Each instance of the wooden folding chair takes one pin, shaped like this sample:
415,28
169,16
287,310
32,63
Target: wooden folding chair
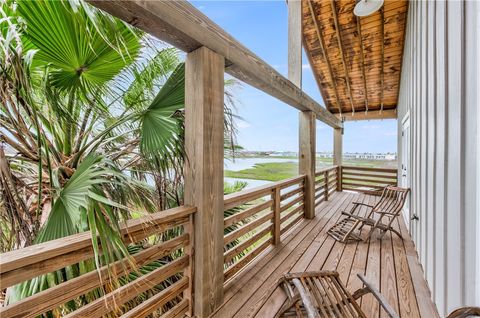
322,294
387,208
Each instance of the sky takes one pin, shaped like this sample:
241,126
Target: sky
269,124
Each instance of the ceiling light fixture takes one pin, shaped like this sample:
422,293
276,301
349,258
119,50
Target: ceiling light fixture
365,8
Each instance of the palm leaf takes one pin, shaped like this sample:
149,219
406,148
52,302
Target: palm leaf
70,43
160,130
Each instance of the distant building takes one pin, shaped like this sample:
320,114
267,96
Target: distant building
361,156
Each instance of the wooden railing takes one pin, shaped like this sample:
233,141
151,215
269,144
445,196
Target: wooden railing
367,180
257,218
326,182
172,272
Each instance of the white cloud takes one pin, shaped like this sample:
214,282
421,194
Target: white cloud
243,124
306,66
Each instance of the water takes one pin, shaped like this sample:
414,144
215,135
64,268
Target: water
246,163
250,182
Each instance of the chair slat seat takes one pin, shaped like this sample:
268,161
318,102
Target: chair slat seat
388,207
317,295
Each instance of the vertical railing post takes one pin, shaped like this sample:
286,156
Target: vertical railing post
276,215
204,94
339,178
307,160
307,119
326,185
189,271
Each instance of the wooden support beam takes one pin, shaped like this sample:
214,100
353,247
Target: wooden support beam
337,146
382,70
307,132
340,46
182,25
362,55
371,115
324,53
295,42
204,93
307,121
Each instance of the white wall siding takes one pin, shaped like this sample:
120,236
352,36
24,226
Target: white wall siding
440,92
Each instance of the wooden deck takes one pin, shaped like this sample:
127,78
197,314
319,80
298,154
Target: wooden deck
390,264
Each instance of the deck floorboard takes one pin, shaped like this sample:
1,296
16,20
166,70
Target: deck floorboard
386,263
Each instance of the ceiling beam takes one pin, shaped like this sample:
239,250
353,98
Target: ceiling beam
325,54
185,27
360,40
340,46
371,115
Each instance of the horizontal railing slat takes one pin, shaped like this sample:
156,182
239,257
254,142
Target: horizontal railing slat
291,203
232,270
177,310
237,217
121,295
239,198
234,251
257,226
158,300
391,170
62,293
291,193
289,214
44,251
246,228
291,224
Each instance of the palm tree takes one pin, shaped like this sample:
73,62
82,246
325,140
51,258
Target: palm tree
92,128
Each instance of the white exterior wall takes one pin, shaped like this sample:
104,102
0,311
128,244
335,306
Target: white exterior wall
439,91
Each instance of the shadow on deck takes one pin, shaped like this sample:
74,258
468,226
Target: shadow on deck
390,264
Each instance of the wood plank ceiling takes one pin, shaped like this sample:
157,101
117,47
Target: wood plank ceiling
356,61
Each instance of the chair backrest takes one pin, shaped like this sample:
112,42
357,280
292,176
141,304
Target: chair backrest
392,200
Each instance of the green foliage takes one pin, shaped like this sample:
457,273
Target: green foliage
271,171
82,51
91,132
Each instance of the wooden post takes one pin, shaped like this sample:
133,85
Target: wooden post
338,154
339,178
307,160
326,185
189,271
295,42
276,215
307,131
204,90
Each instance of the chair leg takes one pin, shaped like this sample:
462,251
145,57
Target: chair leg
390,228
372,229
363,224
288,305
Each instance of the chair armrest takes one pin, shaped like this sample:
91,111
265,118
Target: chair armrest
381,299
465,312
360,203
353,216
386,213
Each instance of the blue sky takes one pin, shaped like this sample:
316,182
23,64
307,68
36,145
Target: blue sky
268,123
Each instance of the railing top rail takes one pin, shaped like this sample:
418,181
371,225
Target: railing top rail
370,169
237,198
40,252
